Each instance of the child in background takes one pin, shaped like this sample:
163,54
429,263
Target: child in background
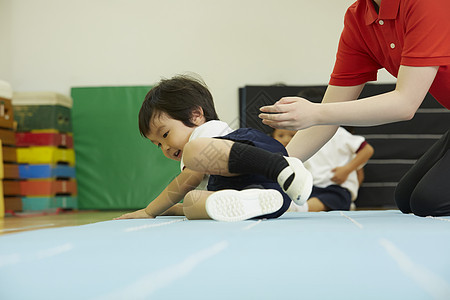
179,117
336,168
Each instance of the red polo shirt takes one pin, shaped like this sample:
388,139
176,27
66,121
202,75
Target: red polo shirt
405,32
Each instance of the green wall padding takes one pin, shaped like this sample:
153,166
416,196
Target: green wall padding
116,168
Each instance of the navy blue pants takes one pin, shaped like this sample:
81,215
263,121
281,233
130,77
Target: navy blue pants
335,197
258,139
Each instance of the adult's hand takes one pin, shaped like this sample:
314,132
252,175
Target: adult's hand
293,113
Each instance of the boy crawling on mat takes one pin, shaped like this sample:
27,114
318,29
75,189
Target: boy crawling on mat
250,173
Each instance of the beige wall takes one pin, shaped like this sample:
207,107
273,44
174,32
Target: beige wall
53,45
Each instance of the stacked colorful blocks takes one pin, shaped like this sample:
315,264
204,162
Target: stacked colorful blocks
9,175
45,151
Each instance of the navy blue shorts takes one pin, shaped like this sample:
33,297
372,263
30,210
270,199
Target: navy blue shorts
258,139
334,197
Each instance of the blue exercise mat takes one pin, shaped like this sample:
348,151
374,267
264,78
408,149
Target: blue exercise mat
334,255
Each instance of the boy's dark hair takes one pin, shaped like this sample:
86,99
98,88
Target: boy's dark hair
178,97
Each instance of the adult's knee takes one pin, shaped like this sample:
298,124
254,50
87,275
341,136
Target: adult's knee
422,205
430,200
402,197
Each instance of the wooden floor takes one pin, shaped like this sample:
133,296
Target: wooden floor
14,224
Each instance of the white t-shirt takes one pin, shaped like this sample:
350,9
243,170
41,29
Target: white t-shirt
337,152
209,129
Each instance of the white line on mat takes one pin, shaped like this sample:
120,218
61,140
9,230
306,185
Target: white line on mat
437,218
153,225
353,220
26,227
9,259
253,224
54,251
148,284
15,258
432,283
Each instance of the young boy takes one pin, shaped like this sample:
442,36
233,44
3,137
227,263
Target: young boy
250,175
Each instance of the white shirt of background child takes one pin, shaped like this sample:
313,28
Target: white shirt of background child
339,150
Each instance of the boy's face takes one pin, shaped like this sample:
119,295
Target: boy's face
284,136
170,135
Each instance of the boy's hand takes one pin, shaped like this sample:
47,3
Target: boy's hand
340,175
139,214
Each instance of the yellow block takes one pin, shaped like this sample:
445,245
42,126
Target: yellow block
50,131
45,155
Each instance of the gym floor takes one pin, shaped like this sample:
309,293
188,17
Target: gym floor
14,224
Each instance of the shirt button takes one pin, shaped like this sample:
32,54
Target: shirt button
381,22
392,45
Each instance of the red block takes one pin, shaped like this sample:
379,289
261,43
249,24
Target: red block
27,139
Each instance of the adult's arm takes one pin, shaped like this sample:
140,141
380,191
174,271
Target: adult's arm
308,141
297,113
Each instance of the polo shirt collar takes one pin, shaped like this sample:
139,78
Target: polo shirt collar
388,10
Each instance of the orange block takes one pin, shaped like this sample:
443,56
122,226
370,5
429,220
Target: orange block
48,187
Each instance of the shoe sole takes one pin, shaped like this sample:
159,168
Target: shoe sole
233,205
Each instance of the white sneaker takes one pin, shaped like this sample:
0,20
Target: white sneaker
233,205
301,187
297,208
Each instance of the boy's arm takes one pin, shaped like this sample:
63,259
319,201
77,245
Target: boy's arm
360,175
186,181
362,156
176,210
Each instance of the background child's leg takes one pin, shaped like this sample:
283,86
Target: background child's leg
194,205
314,204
